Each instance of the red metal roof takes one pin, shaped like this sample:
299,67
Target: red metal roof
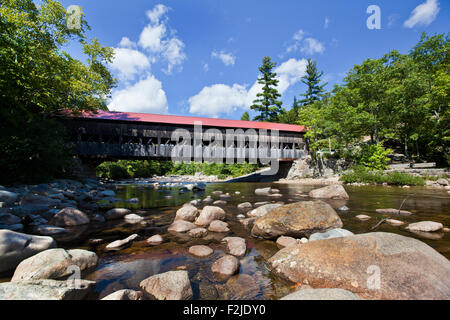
209,122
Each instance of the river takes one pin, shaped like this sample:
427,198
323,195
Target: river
125,269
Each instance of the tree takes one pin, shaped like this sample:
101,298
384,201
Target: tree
38,79
291,116
267,103
245,116
315,91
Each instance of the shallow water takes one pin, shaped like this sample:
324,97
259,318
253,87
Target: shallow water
125,269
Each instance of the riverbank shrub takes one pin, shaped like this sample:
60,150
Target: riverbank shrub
362,174
126,169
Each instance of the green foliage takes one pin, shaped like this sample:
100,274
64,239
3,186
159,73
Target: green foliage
315,90
125,169
267,103
401,98
361,174
375,156
39,79
245,116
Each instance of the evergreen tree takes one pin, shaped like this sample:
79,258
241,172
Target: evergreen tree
245,117
266,103
312,80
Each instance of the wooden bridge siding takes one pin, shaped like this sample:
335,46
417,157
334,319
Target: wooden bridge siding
99,133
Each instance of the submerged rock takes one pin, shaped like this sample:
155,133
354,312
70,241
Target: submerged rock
395,223
297,220
425,226
394,211
16,247
121,244
172,285
409,268
155,240
198,233
363,217
116,213
201,251
239,287
69,217
181,226
54,264
321,294
45,290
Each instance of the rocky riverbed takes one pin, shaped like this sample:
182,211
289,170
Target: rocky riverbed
172,239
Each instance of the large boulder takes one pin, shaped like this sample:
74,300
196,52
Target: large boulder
172,285
334,191
46,290
187,213
297,220
321,294
31,199
116,213
239,287
69,217
54,264
208,215
407,268
263,210
15,247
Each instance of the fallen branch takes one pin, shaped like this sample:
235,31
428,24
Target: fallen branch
378,224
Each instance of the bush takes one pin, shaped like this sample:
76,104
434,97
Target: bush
375,156
361,174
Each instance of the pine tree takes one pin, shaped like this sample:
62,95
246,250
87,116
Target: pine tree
266,102
245,117
312,80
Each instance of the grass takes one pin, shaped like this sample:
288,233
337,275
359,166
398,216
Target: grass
361,174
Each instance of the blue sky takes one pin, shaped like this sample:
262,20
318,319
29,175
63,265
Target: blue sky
201,57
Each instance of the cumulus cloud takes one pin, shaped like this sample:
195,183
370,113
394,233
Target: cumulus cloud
306,45
312,46
227,59
224,99
160,40
129,63
127,43
424,14
146,95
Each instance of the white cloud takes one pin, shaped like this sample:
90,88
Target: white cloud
127,43
312,46
146,96
205,67
309,45
218,99
299,35
129,63
157,13
424,14
326,23
159,40
228,59
224,99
